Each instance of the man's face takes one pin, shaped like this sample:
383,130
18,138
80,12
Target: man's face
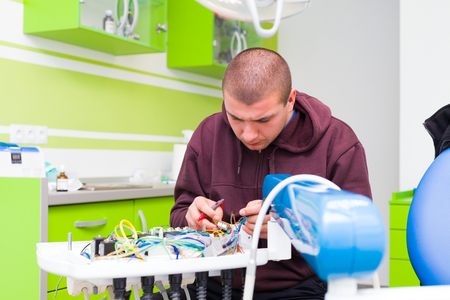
257,125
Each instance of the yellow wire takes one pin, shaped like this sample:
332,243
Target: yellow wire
127,242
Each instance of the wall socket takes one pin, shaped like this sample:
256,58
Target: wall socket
27,134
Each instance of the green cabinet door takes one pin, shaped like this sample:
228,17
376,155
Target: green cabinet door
81,23
20,202
401,272
84,221
203,43
156,211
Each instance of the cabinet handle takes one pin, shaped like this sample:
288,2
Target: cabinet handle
91,223
143,221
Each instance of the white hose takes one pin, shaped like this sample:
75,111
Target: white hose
237,38
136,15
244,42
251,267
123,19
264,33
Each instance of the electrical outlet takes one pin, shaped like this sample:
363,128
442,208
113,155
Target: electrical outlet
28,134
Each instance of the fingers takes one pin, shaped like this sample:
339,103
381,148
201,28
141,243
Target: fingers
197,208
252,208
263,233
251,211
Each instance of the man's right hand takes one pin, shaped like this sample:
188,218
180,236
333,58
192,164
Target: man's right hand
199,206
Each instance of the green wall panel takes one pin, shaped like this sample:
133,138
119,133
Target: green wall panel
57,98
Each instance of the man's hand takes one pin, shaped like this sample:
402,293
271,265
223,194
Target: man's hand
203,205
251,211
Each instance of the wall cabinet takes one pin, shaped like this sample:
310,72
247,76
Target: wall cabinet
401,272
80,22
203,43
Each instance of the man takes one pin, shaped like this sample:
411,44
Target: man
265,127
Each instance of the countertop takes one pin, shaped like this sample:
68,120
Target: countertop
87,196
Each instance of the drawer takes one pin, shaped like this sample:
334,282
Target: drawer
156,211
398,216
398,246
401,273
61,221
103,216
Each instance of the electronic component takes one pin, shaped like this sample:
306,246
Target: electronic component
106,246
224,226
216,248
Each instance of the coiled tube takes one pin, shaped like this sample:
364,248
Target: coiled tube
175,286
201,282
227,283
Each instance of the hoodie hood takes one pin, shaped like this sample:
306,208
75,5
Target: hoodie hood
313,117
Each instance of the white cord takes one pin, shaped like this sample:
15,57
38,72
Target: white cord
136,291
110,290
57,285
143,221
244,42
85,293
237,38
186,291
251,267
162,290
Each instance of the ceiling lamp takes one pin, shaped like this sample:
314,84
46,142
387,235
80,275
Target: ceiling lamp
257,11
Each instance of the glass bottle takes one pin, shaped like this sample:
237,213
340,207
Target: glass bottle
108,22
62,182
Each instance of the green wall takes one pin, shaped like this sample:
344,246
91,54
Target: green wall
57,98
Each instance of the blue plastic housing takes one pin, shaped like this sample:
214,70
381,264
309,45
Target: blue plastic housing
340,234
428,224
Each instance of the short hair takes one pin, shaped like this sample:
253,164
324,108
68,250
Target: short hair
255,74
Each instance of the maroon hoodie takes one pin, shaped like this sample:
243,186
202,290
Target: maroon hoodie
217,165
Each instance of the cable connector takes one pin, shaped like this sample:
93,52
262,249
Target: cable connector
216,248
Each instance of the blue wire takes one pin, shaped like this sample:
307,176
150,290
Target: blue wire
118,229
176,250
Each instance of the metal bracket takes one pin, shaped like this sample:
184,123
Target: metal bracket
162,27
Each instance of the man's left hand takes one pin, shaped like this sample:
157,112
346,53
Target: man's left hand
251,211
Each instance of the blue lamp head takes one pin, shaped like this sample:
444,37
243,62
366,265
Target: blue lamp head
340,234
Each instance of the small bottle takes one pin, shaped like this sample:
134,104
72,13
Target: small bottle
108,22
62,182
129,22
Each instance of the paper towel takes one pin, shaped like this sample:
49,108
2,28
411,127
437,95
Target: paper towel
178,155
